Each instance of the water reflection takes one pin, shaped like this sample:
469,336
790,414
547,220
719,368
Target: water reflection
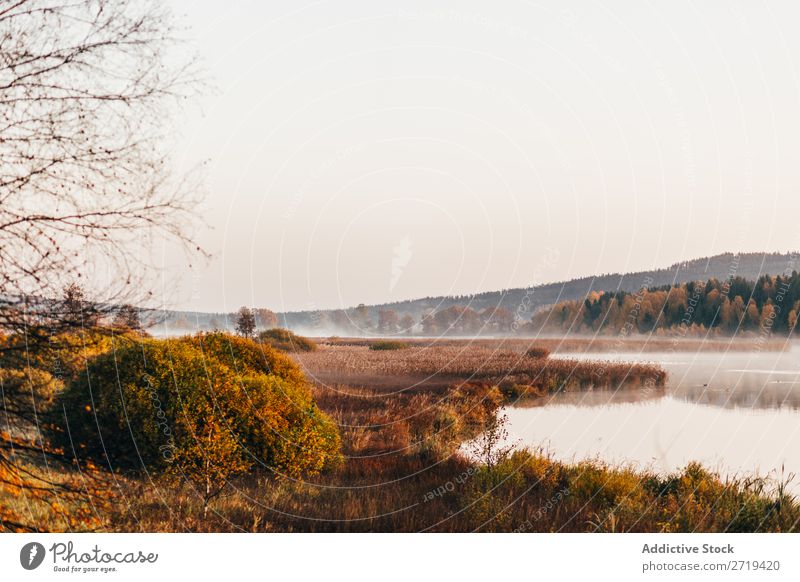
736,413
732,380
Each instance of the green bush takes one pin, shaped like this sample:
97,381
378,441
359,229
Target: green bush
286,341
389,345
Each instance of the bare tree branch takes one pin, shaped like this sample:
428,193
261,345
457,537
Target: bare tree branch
87,92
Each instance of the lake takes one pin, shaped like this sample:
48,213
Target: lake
737,413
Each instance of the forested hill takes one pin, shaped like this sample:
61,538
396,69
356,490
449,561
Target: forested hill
522,301
748,266
721,306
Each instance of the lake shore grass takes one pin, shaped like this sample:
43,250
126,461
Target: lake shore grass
578,344
406,464
405,470
517,373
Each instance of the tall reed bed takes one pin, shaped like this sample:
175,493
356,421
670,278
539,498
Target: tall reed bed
582,344
440,365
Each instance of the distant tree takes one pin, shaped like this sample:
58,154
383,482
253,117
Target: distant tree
265,318
245,322
752,317
677,302
321,321
73,300
768,315
407,324
458,319
341,321
76,308
127,317
497,319
429,323
361,318
388,321
725,316
181,322
737,313
791,320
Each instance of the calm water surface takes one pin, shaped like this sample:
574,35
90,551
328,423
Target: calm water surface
737,413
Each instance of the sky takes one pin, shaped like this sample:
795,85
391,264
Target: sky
373,151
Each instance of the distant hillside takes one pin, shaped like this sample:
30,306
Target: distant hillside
522,301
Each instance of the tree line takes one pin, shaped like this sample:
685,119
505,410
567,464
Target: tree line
727,306
771,303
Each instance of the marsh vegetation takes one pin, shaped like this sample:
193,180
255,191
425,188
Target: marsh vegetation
258,441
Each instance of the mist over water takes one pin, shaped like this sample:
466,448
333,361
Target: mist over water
737,413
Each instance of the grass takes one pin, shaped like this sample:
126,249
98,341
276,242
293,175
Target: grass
538,352
404,416
583,344
384,345
389,484
286,341
404,471
439,366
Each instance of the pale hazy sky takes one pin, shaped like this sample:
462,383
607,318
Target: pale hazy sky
361,151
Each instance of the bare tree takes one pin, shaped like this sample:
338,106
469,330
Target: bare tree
127,317
86,92
490,448
75,306
245,322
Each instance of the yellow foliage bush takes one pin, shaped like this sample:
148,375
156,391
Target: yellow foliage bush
207,408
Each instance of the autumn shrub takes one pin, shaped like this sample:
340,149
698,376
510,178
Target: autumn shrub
245,356
31,379
389,345
442,364
606,487
537,352
174,406
63,355
286,341
439,427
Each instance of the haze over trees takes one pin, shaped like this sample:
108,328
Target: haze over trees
522,303
265,318
722,302
127,317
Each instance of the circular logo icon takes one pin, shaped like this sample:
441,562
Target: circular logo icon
31,555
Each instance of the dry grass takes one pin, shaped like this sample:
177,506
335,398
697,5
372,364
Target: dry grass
439,366
572,344
403,471
397,448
